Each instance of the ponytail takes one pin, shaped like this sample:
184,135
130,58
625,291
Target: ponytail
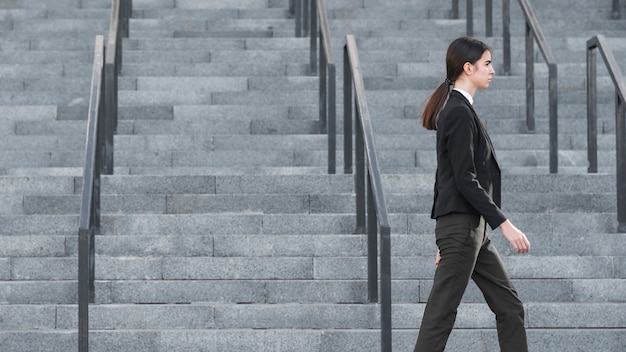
434,105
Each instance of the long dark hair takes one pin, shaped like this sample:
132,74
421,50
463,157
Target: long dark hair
460,51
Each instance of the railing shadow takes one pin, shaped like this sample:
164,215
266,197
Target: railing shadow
599,42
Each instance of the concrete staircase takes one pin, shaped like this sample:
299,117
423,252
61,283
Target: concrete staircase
222,230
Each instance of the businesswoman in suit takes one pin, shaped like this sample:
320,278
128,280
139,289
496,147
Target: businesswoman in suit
467,198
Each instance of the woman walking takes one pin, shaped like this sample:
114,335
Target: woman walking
467,198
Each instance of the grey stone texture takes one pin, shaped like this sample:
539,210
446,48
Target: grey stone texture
221,229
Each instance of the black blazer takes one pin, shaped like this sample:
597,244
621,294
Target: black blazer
468,176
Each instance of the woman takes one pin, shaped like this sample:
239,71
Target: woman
467,197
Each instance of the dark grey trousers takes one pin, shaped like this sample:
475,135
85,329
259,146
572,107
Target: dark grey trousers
467,252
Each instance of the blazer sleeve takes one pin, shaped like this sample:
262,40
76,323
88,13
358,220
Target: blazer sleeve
462,143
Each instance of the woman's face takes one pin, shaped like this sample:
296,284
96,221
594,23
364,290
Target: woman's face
482,71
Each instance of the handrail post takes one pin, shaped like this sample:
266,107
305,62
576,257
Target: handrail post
109,119
323,96
506,37
620,145
489,18
454,13
313,34
599,42
359,162
533,31
372,244
554,123
298,14
332,119
327,78
385,290
470,18
347,114
592,112
306,19
530,80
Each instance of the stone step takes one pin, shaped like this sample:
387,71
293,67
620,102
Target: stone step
209,14
288,194
34,5
216,69
258,223
215,44
289,316
43,70
310,340
285,203
592,244
590,275
183,25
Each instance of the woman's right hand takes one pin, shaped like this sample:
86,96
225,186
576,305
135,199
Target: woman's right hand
516,237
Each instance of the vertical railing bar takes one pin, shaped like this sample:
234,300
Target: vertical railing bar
592,112
347,113
327,78
332,119
470,18
533,32
313,34
615,12
323,87
385,290
307,16
530,80
454,13
620,145
83,289
506,37
554,128
489,18
298,10
359,155
372,244
109,116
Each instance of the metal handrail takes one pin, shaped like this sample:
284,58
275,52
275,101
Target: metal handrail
89,222
301,10
121,10
365,151
599,42
311,10
534,33
101,125
454,13
327,78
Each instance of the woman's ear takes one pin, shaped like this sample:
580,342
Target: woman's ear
468,68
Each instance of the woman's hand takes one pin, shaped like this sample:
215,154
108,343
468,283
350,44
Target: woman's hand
516,237
438,259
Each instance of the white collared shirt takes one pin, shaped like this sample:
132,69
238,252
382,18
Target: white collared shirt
466,95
